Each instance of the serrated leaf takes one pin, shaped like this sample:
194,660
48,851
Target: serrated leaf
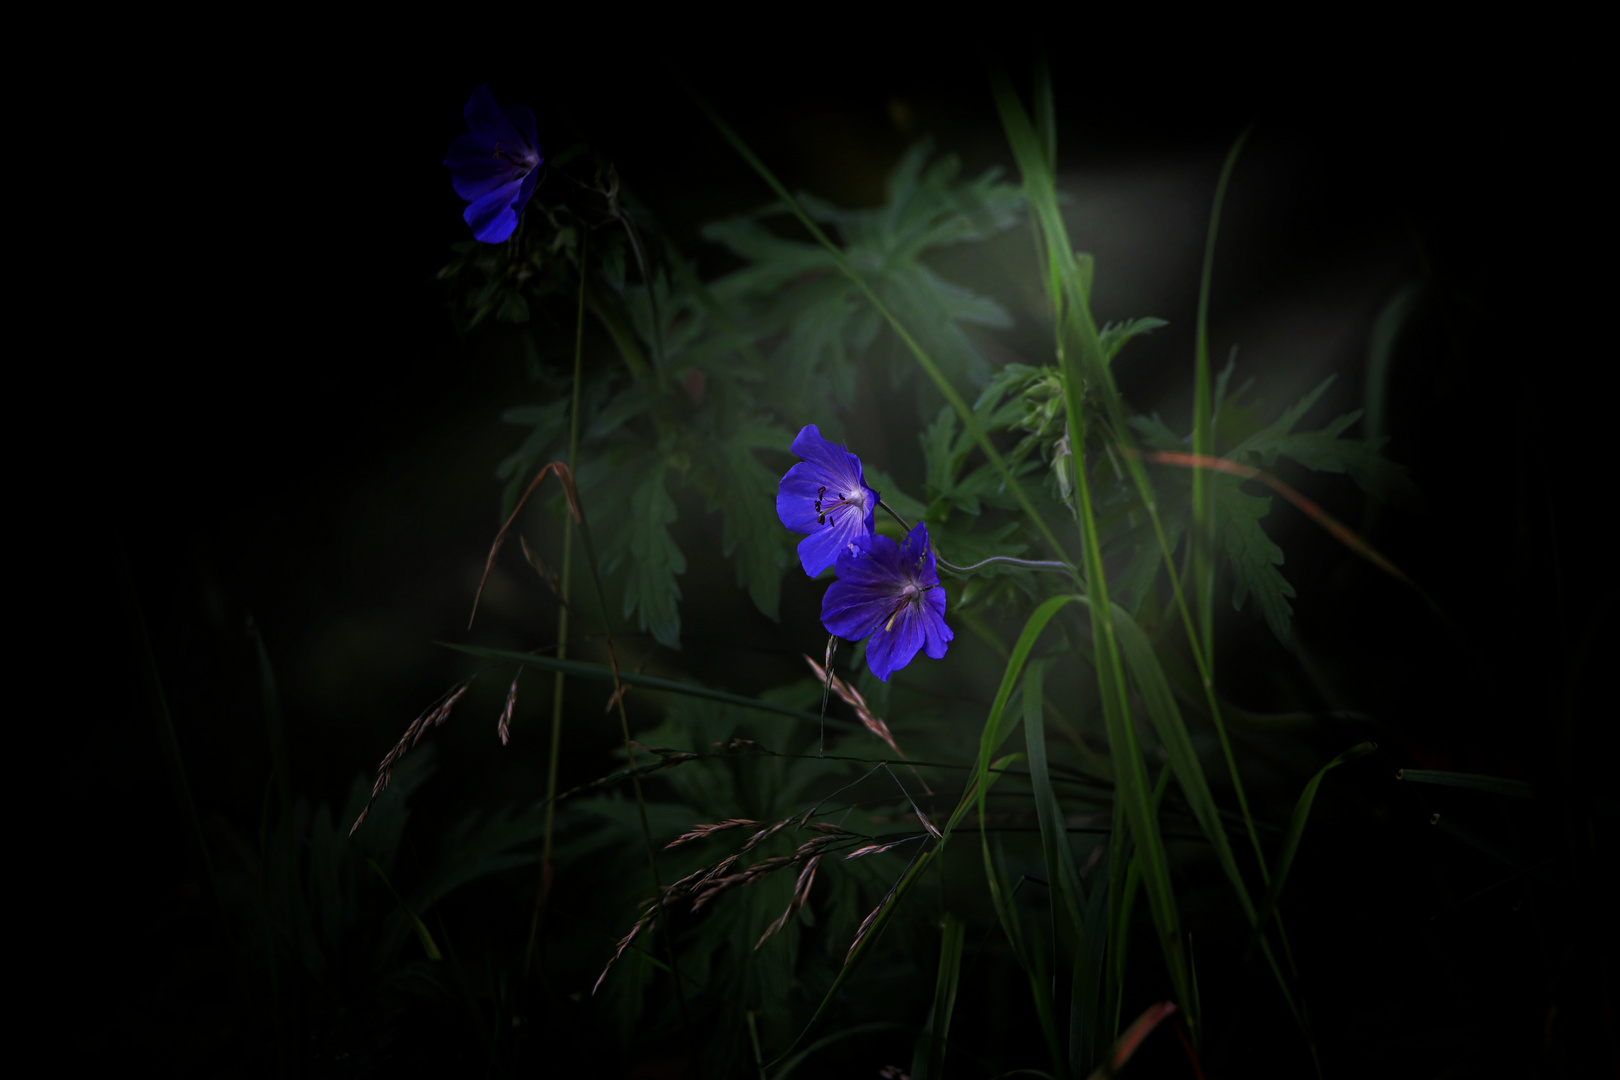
1114,336
1324,451
1253,555
548,422
937,440
1157,434
793,288
753,537
1283,424
639,540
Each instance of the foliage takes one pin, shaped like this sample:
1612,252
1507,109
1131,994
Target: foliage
765,880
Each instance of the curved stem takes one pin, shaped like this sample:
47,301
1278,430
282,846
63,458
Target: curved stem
1027,564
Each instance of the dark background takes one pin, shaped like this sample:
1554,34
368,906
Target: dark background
302,440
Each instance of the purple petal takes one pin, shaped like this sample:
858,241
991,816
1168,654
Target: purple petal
796,497
917,554
873,562
895,642
484,116
822,548
838,463
522,121
523,200
475,170
491,217
854,611
933,620
831,475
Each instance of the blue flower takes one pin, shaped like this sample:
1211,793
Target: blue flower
495,165
826,496
892,592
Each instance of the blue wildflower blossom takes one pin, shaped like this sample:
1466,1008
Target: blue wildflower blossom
826,496
494,166
892,592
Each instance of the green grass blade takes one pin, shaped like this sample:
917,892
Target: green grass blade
996,726
1027,948
1386,332
1203,492
1165,715
1130,775
1092,987
1061,871
423,935
1296,829
1041,194
952,935
1494,784
840,1035
1131,881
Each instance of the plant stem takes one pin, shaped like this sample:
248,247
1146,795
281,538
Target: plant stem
544,889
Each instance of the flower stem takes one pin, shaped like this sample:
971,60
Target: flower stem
1027,564
544,889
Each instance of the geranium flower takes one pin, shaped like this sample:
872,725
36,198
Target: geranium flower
494,166
892,592
826,496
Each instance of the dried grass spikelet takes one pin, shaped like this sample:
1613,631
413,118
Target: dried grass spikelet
874,849
701,831
705,884
866,925
828,827
852,697
624,943
929,825
413,735
801,893
547,574
766,833
567,479
504,726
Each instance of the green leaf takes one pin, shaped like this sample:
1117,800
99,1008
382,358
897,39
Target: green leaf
1061,872
1325,451
790,285
548,422
937,440
1296,829
853,269
1253,556
1157,434
938,1029
641,542
1283,424
890,492
753,537
1168,724
1495,784
1114,336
